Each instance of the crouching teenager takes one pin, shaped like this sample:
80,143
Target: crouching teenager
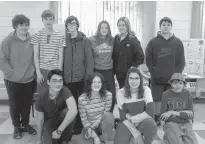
56,111
177,112
94,106
136,110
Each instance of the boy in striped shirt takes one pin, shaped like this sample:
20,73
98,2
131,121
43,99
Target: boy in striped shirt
48,47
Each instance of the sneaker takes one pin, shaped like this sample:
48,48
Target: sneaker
29,129
157,120
17,133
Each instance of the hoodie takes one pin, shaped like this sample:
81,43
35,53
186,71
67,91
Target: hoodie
16,59
126,53
164,57
78,58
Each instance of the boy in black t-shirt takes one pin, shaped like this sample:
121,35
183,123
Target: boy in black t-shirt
56,111
177,112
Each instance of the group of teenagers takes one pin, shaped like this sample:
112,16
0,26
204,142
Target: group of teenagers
72,78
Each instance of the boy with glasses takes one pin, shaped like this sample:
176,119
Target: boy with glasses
177,112
56,111
48,47
78,61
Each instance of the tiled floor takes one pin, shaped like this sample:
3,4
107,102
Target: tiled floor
6,128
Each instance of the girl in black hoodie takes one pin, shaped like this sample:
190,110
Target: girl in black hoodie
127,50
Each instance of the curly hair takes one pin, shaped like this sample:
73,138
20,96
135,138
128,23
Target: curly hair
127,86
88,85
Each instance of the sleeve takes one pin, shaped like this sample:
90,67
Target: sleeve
89,58
66,93
62,42
4,59
184,115
39,104
138,54
122,110
164,104
149,101
149,56
108,103
82,112
35,39
180,62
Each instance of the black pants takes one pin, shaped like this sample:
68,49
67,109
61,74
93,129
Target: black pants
121,82
20,99
109,83
76,89
51,125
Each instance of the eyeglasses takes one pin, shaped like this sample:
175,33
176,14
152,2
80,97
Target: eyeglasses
56,81
177,82
72,24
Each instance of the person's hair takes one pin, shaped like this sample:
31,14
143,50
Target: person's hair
127,85
69,20
47,13
20,19
109,35
88,85
165,19
127,23
54,72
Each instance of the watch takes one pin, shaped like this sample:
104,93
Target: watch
59,132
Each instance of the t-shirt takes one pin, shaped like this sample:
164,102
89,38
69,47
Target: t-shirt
49,46
172,101
52,107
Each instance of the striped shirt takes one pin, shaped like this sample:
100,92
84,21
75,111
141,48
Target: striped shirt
49,46
93,109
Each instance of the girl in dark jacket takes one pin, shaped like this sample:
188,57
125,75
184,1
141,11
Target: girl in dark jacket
127,50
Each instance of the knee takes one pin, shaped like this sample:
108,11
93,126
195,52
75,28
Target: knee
150,127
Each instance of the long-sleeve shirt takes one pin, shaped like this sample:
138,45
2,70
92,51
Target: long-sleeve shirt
172,101
93,109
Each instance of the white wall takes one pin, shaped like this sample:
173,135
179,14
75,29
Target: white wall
179,12
31,9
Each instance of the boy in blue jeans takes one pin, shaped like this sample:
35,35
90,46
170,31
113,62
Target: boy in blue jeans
177,112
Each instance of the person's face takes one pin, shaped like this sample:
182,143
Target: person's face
97,84
48,22
56,83
72,26
134,80
22,29
165,27
104,29
122,27
177,85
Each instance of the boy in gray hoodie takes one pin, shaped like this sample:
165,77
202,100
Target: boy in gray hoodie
16,62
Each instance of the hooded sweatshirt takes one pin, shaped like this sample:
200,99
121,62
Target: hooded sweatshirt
126,53
164,57
16,59
102,54
78,58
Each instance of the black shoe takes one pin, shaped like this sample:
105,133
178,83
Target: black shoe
77,131
29,129
17,133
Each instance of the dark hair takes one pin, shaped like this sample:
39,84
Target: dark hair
127,23
109,35
20,19
69,20
54,72
127,86
47,13
89,81
165,19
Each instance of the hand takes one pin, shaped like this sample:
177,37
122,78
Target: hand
128,116
166,115
39,142
55,135
40,78
188,112
174,113
88,133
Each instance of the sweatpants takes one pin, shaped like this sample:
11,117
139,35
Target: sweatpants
147,128
175,133
20,100
105,129
41,87
51,125
76,89
109,83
